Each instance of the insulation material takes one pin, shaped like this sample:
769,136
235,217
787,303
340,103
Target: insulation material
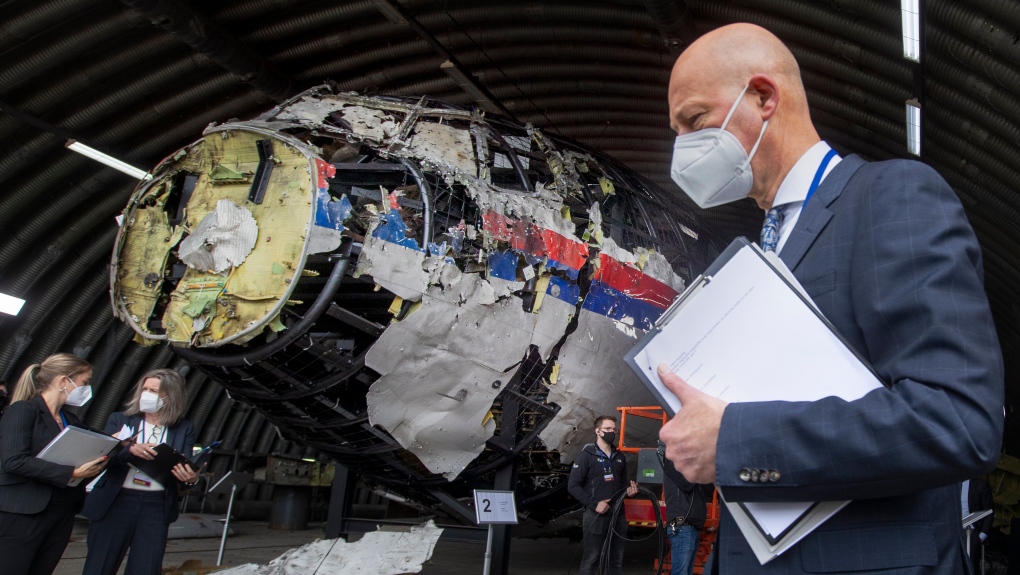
445,145
439,366
389,551
310,108
222,240
369,123
362,121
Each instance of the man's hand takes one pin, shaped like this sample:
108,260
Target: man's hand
602,507
691,436
632,490
143,450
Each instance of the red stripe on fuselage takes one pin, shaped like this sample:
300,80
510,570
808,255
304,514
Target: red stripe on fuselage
633,282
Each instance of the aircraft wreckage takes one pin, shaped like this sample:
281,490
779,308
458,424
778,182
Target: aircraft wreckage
414,289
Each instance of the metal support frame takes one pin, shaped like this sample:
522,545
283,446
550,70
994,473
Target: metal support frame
207,38
452,67
506,479
341,499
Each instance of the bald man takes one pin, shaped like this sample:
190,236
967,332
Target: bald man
886,253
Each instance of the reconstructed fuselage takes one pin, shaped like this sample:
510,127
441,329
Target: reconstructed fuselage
415,290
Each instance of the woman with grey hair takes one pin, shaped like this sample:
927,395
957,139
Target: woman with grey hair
129,509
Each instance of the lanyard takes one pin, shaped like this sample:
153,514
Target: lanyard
818,176
63,418
603,459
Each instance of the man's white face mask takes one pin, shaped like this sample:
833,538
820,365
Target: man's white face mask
711,165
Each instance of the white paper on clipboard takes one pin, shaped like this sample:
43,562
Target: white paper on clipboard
750,333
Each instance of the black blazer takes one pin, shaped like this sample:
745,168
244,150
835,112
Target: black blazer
181,437
26,482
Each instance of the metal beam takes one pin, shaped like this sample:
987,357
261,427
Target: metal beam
207,38
452,67
673,21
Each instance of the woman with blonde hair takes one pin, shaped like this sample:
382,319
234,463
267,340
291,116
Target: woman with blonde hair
37,506
129,509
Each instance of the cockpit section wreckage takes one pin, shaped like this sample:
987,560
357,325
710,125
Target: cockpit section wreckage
414,289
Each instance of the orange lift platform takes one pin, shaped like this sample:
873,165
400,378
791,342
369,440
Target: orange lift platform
639,512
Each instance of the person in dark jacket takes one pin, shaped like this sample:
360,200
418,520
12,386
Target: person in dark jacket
685,514
598,476
37,504
127,508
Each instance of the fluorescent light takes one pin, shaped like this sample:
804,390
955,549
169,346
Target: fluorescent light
108,160
10,305
911,11
914,127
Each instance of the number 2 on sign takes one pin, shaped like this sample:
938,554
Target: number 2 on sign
485,509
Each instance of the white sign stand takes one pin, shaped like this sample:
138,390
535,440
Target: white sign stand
230,483
492,508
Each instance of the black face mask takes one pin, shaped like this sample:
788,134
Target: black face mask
609,437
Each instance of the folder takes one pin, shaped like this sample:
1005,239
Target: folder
746,330
76,446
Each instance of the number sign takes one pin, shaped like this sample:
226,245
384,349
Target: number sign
495,507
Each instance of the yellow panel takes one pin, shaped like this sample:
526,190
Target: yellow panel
222,305
142,261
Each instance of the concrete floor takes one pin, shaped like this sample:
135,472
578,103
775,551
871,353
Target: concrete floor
256,543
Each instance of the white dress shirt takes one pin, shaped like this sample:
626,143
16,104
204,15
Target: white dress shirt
794,188
136,479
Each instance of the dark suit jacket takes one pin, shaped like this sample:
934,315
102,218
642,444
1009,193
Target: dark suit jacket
26,482
887,254
181,437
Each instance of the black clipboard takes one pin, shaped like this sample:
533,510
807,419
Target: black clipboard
159,468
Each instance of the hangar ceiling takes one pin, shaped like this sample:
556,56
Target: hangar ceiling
142,78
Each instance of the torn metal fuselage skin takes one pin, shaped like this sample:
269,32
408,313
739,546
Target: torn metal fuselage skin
382,277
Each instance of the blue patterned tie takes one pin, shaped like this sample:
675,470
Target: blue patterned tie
770,231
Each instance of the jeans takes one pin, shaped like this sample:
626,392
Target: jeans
683,544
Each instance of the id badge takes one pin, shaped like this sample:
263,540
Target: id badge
141,479
608,478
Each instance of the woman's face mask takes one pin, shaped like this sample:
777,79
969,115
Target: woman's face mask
79,396
150,402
